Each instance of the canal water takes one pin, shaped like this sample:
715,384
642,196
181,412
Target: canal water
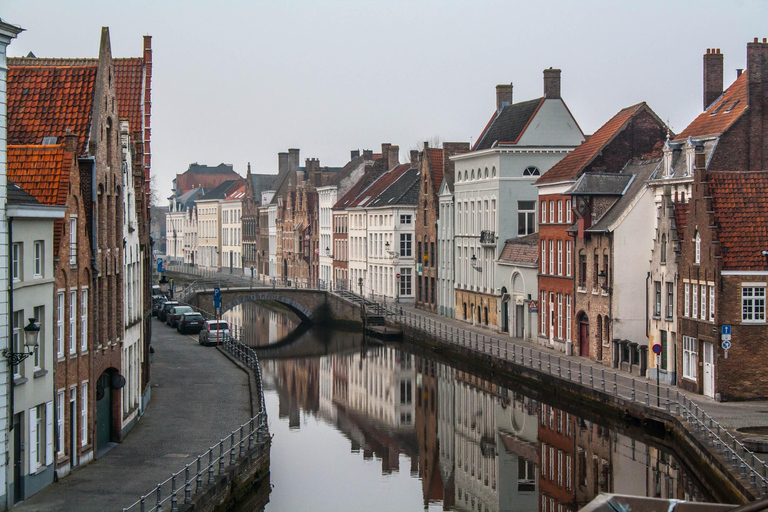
360,425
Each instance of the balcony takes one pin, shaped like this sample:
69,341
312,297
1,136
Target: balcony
488,238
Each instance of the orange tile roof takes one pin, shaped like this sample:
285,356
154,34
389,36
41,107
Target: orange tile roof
436,166
740,203
721,114
379,186
681,215
574,163
49,101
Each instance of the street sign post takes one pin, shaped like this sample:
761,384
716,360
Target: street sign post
725,333
217,297
533,306
657,349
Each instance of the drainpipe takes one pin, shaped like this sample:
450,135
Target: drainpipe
10,337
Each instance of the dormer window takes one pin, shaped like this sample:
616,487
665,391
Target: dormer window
531,171
689,159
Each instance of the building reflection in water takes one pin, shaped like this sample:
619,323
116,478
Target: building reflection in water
473,444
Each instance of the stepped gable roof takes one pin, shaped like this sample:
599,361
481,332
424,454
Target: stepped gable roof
129,81
49,102
41,171
380,185
721,114
436,166
681,215
577,160
740,203
404,190
507,125
639,171
18,196
523,250
218,192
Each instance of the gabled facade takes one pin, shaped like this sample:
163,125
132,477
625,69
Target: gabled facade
494,181
255,225
516,272
209,225
232,228
446,273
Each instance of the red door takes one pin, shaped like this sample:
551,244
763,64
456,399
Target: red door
584,339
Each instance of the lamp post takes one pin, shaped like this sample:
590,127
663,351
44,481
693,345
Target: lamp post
473,262
360,283
31,334
164,283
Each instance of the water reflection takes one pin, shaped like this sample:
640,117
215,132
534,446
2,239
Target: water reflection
464,442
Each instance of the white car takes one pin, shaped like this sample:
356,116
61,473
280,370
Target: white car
210,331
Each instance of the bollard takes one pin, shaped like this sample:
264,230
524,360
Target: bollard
579,372
569,370
199,477
242,444
539,358
591,377
668,403
250,435
159,505
549,363
232,448
633,390
506,350
174,498
735,456
753,476
647,393
559,369
615,384
221,456
187,487
711,433
719,443
142,504
602,379
211,465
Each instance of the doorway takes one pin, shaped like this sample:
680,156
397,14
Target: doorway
583,335
103,411
504,310
519,320
709,369
73,427
18,484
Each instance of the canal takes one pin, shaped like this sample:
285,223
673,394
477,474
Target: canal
361,425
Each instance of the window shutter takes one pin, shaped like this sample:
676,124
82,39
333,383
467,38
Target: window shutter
32,440
49,433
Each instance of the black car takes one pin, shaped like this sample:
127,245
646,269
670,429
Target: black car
157,304
173,315
163,312
190,323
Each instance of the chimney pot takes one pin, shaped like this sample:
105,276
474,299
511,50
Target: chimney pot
755,39
552,83
765,39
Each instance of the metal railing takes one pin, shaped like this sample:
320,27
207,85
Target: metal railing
183,485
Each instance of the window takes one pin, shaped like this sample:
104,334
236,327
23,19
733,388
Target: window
711,303
560,315
552,211
568,309
568,211
543,312
560,211
551,257
686,302
695,305
405,282
697,253
405,219
72,322
568,257
690,357
60,423
18,340
60,325
703,312
73,241
544,460
559,468
406,397
531,171
84,414
406,249
559,257
657,301
84,321
16,261
753,303
543,212
663,255
582,270
526,217
568,472
543,258
670,300
38,268
39,353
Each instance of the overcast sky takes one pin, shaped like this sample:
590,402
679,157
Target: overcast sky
239,81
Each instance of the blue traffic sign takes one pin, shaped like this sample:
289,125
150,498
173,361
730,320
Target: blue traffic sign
160,265
726,344
217,297
726,329
657,349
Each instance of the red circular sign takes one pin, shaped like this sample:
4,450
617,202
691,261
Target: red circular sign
397,276
657,348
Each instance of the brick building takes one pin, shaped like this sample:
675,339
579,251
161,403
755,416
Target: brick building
633,132
557,449
433,164
254,255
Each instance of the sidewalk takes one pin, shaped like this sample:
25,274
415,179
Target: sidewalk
198,396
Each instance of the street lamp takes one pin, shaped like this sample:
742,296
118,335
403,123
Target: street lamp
328,251
360,284
31,334
473,262
603,280
164,283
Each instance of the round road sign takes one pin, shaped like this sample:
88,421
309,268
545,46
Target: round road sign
726,344
397,276
657,348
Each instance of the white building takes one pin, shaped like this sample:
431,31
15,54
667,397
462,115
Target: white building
133,296
177,226
517,279
232,229
209,226
493,191
446,272
7,33
327,197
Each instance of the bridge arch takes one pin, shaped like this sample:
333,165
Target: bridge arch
304,314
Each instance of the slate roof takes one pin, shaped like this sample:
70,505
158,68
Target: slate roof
522,250
260,183
600,184
218,192
41,171
403,191
640,171
577,160
721,114
381,184
363,183
507,125
49,101
740,203
18,196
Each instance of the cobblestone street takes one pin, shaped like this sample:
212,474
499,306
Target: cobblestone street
198,396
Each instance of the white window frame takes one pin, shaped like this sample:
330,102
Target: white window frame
559,257
686,297
568,211
543,212
697,250
551,257
60,324
568,313
703,302
560,211
84,414
695,304
753,303
670,300
39,254
73,240
568,258
690,357
543,312
711,303
17,255
60,422
560,315
72,322
84,320
543,256
551,212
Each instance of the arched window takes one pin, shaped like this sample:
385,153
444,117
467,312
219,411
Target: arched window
493,172
664,248
465,175
486,173
697,242
531,171
472,176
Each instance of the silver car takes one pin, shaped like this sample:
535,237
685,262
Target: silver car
212,329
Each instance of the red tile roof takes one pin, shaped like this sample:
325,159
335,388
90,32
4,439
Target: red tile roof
523,249
721,114
740,203
681,215
436,166
49,101
379,186
574,163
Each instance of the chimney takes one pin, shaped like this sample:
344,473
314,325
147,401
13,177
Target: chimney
367,154
71,144
282,161
552,84
393,156
757,92
415,158
503,96
293,158
713,76
354,154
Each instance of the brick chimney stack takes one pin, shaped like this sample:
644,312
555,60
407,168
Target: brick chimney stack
293,158
354,154
415,158
757,97
393,156
552,84
503,96
282,161
713,76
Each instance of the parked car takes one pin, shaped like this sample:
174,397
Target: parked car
210,330
157,303
190,323
172,318
163,312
